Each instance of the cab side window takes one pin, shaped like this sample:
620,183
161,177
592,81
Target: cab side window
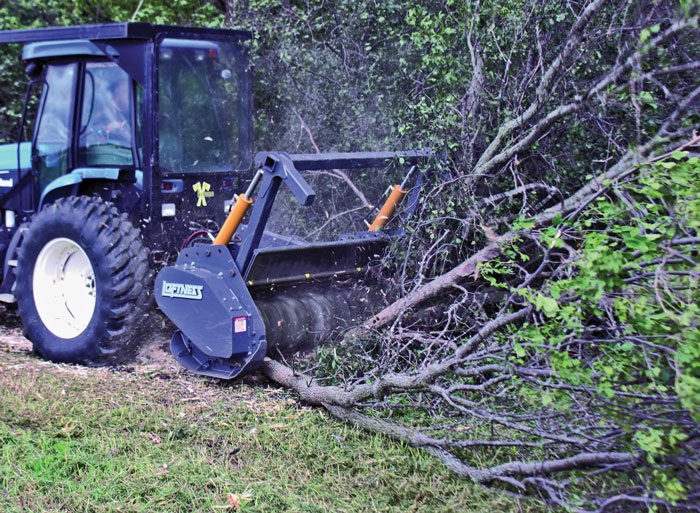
107,125
53,137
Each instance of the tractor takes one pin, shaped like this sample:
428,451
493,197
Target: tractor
136,144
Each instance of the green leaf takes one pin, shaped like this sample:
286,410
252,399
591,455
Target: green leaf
678,155
547,305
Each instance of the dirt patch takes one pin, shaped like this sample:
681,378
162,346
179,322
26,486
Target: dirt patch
154,354
11,338
156,351
155,346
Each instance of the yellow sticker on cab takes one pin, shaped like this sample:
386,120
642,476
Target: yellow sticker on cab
203,190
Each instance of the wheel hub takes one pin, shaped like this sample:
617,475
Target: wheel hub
64,288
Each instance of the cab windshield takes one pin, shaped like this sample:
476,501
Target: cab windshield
203,107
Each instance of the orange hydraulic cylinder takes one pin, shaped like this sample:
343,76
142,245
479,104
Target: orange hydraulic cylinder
397,194
233,220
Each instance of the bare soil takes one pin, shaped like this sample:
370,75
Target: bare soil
154,354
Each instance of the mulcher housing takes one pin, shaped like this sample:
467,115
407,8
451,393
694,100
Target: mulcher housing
154,125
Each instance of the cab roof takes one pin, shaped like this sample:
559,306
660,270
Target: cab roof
78,40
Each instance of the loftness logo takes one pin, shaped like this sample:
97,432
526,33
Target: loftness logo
182,290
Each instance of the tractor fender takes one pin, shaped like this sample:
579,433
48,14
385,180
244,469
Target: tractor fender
67,185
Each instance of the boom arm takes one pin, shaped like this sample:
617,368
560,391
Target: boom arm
277,167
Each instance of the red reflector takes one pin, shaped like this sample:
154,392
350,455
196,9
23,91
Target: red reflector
166,186
213,53
240,324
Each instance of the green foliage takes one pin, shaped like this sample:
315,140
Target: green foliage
624,326
323,68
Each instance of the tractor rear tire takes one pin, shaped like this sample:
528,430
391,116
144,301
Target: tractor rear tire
83,283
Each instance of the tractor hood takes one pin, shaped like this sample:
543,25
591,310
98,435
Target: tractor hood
8,157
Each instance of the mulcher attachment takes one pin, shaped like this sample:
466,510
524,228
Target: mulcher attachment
302,291
221,332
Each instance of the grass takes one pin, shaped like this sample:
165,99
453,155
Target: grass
92,440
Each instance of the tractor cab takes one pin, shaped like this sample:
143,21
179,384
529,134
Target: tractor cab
154,119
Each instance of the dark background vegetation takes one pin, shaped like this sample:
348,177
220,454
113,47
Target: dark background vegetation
540,333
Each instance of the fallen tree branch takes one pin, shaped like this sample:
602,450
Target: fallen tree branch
469,268
317,395
482,476
435,288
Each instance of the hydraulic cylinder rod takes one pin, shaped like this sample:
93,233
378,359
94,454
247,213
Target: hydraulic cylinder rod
235,216
397,194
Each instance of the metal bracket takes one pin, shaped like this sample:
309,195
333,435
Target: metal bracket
277,168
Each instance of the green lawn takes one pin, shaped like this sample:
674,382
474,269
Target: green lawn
90,440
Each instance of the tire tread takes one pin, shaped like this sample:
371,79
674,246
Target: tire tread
123,307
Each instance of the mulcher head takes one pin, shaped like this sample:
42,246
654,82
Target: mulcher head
233,302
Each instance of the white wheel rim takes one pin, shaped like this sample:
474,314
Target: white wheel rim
64,288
